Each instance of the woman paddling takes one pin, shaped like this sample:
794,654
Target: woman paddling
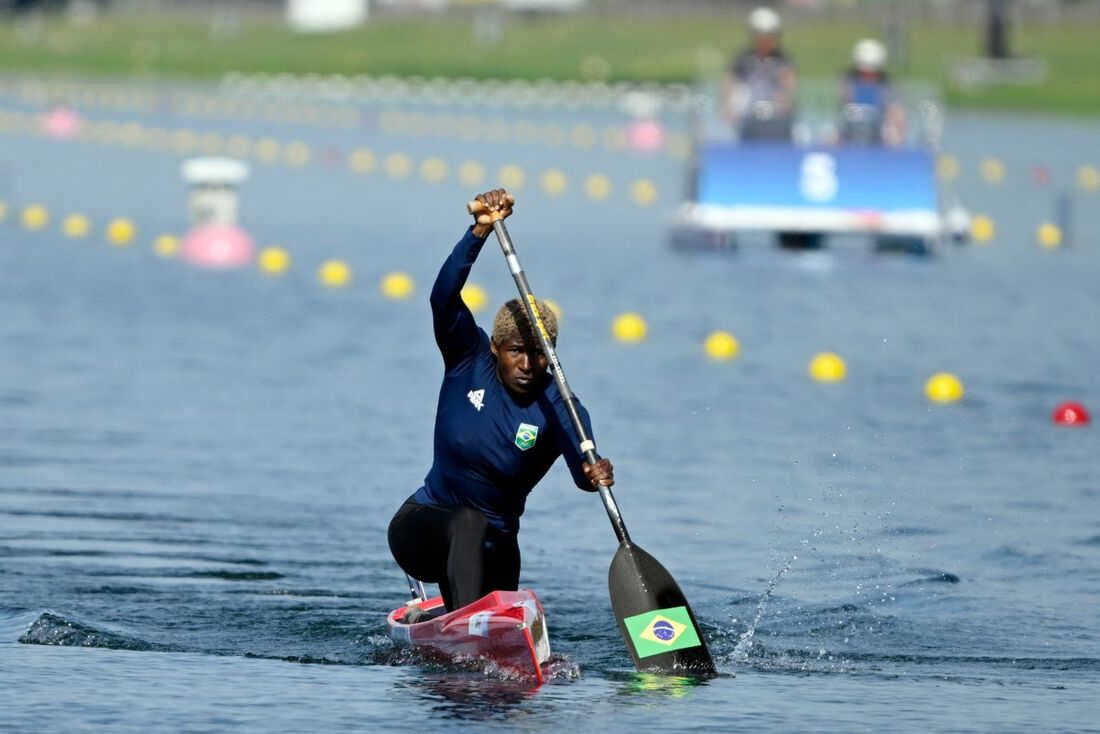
500,424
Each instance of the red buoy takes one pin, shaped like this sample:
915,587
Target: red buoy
1070,413
1040,175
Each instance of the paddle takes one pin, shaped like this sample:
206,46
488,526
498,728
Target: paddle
653,615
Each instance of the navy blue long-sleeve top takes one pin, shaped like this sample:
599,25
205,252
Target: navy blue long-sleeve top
491,448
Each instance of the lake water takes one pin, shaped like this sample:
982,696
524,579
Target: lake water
197,468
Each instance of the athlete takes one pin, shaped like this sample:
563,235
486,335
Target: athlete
870,111
758,94
500,424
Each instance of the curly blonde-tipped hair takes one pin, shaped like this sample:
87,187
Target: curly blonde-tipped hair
511,321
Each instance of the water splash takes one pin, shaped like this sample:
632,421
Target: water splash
54,629
745,642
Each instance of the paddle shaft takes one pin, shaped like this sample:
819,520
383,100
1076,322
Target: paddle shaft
587,445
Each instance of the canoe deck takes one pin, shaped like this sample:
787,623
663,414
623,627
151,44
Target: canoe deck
507,627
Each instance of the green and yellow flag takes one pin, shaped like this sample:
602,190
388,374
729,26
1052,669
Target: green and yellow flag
661,631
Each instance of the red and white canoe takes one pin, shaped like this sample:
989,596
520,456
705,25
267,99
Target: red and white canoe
507,627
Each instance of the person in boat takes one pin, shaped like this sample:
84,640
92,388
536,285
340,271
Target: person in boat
870,112
500,424
759,88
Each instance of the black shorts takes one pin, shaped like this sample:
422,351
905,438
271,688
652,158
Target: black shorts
454,547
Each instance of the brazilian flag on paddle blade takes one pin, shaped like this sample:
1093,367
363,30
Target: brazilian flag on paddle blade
661,631
654,616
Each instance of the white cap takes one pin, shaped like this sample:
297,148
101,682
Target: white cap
764,20
214,171
869,54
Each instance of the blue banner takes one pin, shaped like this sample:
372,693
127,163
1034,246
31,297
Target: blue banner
856,178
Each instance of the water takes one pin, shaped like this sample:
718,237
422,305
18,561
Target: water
196,468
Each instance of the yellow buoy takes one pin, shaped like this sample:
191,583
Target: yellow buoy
553,306
629,327
3,211
397,285
334,274
298,154
554,182
267,150
992,170
982,229
398,165
120,232
1049,235
35,217
947,167
475,297
166,245
363,160
1088,178
943,387
828,367
512,177
597,186
471,173
274,260
76,226
433,170
643,192
721,346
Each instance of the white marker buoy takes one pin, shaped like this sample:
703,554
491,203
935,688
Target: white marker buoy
215,239
214,183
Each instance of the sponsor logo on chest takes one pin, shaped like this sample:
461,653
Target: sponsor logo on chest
526,435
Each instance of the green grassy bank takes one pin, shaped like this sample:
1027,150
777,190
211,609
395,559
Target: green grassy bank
574,47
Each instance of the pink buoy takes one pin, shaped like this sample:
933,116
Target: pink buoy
645,135
1070,413
1040,175
218,246
61,123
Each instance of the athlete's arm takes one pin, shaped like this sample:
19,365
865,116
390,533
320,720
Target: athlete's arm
584,474
456,332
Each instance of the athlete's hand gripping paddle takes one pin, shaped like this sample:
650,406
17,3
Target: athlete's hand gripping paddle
654,616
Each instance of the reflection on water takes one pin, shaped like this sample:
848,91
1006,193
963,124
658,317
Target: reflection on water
673,686
466,696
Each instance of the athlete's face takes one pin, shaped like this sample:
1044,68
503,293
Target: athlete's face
765,43
521,364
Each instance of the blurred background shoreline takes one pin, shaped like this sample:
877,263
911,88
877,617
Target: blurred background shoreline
935,42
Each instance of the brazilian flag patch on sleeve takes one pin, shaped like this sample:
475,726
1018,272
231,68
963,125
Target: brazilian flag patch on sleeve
661,631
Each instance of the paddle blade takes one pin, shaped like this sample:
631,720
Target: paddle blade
654,616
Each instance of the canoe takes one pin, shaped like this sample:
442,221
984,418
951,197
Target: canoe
507,627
